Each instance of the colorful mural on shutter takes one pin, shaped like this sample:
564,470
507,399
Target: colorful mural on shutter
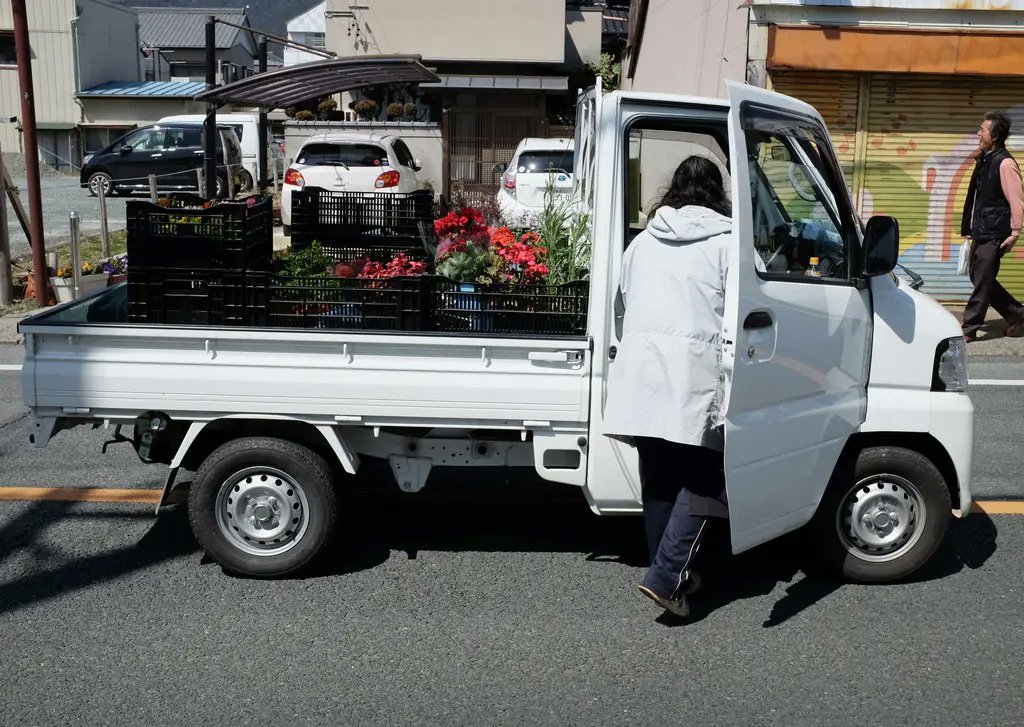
920,134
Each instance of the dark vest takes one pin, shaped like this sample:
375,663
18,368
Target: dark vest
991,211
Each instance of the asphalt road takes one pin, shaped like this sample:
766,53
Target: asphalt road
62,196
443,610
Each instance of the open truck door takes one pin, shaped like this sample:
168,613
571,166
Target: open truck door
798,329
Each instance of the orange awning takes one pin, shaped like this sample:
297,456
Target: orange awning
895,51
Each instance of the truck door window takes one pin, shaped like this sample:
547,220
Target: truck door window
653,154
800,204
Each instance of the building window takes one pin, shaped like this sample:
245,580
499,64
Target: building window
8,57
317,40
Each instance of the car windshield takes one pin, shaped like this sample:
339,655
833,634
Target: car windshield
545,161
351,155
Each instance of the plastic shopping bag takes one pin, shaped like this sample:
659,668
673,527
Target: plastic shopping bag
963,264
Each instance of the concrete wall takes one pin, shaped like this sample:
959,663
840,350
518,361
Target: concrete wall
691,47
456,30
423,140
582,36
108,48
135,111
53,73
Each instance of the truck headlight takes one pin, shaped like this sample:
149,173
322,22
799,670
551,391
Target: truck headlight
950,365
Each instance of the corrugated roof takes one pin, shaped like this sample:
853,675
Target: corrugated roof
186,27
503,83
615,22
291,85
145,89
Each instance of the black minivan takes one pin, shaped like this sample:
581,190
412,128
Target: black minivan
171,151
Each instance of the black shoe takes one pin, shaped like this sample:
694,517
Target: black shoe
678,607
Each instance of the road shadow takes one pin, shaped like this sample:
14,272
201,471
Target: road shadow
168,538
549,518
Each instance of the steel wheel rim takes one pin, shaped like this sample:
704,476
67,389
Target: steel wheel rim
881,518
262,511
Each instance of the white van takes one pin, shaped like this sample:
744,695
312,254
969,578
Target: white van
846,387
246,128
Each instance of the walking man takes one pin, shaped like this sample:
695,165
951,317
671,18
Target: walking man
992,219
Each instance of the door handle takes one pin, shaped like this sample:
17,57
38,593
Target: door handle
155,156
758,319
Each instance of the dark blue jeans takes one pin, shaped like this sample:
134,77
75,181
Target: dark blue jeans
682,486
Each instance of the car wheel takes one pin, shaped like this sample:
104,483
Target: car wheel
246,181
886,520
263,507
100,179
222,187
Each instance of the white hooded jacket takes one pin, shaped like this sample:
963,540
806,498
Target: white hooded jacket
667,380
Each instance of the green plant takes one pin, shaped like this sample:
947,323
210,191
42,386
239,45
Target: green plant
565,230
304,115
609,70
469,262
395,110
290,112
410,110
307,262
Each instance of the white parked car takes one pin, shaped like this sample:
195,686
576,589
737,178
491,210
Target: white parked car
535,164
349,162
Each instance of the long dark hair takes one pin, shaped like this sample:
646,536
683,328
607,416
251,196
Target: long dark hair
697,181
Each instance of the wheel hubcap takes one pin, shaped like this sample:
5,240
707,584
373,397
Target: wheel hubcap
262,511
880,518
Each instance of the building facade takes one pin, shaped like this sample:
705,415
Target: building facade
902,84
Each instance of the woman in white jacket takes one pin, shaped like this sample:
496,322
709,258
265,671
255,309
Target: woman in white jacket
665,388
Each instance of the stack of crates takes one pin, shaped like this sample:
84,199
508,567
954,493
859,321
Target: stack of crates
188,261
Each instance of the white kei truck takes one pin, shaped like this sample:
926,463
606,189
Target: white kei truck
846,407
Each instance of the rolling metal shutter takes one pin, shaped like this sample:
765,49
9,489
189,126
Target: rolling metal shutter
834,95
920,134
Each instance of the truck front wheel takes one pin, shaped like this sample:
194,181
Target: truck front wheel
262,507
886,520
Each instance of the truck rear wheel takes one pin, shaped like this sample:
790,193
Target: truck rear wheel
263,507
887,519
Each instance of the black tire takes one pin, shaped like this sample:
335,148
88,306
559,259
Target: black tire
909,488
97,178
222,187
246,183
287,230
245,463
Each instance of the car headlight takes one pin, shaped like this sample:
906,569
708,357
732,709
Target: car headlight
950,365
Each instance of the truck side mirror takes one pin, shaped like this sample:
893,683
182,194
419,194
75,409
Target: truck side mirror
125,150
881,246
499,168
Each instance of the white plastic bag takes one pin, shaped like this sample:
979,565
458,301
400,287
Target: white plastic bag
963,264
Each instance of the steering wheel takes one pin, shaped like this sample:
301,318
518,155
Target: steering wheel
797,186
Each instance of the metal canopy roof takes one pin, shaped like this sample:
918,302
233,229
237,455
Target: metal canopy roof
292,85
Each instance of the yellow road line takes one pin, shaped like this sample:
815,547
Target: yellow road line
999,507
145,495
149,495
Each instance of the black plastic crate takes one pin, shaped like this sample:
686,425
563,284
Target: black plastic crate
226,235
192,297
383,254
361,219
543,310
388,304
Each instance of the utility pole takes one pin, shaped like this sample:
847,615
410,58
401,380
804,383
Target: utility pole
210,126
23,54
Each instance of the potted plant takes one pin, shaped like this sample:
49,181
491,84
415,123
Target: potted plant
410,111
116,269
366,109
94,279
